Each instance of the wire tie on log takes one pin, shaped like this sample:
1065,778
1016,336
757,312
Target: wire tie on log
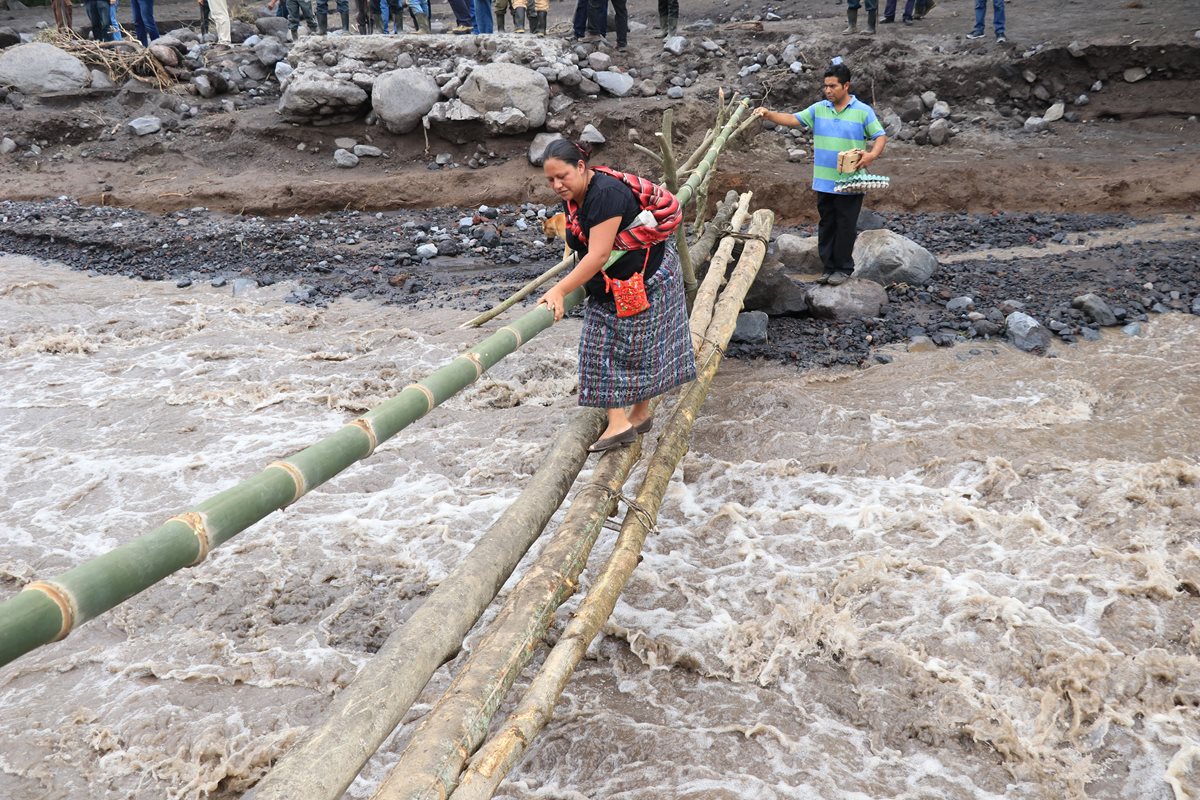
61,598
475,362
425,391
196,522
755,237
297,478
364,425
633,505
516,334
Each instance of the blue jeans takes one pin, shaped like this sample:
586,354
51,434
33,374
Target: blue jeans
889,9
462,13
483,16
997,16
389,12
323,6
591,17
144,26
116,26
419,6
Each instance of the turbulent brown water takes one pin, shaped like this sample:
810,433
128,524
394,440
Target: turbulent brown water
965,574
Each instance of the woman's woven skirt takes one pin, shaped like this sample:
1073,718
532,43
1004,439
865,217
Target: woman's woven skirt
625,360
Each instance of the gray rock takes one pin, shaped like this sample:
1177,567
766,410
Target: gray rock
869,220
941,110
270,51
316,97
344,158
939,132
1132,329
1036,125
1095,307
912,109
887,258
344,143
100,80
618,84
751,328
1195,302
367,151
537,148
675,45
506,121
647,88
891,123
1135,74
166,56
960,305
776,292
497,86
599,61
272,26
799,253
591,135
560,103
797,155
854,299
204,86
591,87
283,71
254,71
1026,333
9,37
675,93
402,97
929,99
1076,49
7,146
427,251
1055,112
143,126
38,68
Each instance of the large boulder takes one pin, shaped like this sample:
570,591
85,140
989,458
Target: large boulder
401,97
270,51
799,253
854,299
539,145
39,68
272,26
775,292
497,86
1026,333
9,37
321,100
887,258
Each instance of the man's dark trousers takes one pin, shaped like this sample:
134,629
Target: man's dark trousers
837,230
591,17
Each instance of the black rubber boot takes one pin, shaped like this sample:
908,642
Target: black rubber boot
542,22
322,23
500,18
423,24
872,16
346,21
518,20
672,23
851,22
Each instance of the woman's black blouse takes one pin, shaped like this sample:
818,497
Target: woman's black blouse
606,198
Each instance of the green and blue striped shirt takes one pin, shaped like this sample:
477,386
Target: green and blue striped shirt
835,131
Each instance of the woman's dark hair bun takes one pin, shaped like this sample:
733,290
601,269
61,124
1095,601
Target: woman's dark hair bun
568,151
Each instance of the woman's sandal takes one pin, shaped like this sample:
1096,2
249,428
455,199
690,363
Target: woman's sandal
621,439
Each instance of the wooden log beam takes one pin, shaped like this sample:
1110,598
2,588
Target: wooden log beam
715,277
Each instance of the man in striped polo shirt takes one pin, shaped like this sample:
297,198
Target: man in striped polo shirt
840,122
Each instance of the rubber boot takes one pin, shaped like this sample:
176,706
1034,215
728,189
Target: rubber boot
672,24
872,17
518,20
501,16
322,23
851,22
423,24
662,23
542,15
346,21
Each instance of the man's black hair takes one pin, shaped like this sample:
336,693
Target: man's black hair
839,71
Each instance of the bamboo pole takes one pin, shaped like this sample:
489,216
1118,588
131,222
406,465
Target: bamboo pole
671,180
520,294
46,611
715,277
698,175
430,764
489,766
364,713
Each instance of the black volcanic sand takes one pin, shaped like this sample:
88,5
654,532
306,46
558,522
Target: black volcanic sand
374,255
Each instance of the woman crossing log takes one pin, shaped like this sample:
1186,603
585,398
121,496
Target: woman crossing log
635,343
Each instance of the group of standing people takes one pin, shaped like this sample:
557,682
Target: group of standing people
914,10
102,19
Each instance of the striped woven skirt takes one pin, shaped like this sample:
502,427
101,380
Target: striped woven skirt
625,360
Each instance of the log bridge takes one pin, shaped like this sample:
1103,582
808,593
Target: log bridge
457,751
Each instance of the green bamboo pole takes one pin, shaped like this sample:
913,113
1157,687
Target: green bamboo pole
46,611
519,295
505,748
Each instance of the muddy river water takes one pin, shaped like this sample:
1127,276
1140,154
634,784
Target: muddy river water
971,573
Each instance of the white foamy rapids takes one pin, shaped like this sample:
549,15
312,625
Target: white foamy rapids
966,574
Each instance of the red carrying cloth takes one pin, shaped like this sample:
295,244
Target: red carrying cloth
650,197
